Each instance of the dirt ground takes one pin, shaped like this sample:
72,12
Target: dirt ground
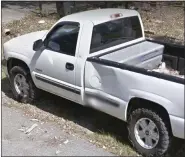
165,23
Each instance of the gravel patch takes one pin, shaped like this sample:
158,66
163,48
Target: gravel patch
165,23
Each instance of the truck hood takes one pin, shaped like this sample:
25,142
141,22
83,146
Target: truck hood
24,43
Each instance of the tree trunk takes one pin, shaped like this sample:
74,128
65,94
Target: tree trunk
64,8
126,5
108,4
40,7
67,7
60,8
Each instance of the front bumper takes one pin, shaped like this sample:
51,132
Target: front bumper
177,125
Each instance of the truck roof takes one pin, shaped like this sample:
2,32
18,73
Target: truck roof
98,16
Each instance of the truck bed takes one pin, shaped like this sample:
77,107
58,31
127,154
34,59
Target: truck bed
112,78
110,83
145,57
145,54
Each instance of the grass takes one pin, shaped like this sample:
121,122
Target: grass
107,132
110,142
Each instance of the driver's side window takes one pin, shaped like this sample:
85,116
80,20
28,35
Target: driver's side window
63,38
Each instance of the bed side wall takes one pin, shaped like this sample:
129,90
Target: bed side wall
120,86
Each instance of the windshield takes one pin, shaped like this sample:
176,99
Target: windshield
115,32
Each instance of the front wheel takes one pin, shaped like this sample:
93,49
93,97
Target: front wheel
23,88
148,133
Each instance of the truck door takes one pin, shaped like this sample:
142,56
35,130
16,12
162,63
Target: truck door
54,66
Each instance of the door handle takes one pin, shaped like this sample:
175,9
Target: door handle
69,66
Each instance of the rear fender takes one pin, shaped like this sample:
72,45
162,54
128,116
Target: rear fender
168,105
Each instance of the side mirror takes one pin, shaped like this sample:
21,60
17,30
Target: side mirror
37,44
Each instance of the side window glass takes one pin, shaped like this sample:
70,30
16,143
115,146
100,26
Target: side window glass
63,39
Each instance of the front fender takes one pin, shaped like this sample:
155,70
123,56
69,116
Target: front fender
134,93
19,56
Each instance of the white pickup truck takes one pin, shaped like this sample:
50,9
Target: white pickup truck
101,59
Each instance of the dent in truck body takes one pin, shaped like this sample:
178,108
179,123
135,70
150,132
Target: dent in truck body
128,84
82,53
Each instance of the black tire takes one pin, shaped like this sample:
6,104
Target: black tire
32,93
164,134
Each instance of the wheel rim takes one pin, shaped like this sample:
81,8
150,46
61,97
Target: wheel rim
146,133
20,84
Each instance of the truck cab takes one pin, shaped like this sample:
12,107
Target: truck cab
74,38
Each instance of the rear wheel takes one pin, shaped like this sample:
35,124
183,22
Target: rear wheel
22,85
148,133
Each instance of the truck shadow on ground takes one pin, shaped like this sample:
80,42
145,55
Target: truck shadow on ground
89,118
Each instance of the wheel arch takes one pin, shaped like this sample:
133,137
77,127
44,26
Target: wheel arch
137,102
11,62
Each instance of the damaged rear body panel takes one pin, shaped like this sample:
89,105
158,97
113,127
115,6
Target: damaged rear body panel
111,83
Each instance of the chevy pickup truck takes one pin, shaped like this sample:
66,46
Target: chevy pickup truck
101,59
